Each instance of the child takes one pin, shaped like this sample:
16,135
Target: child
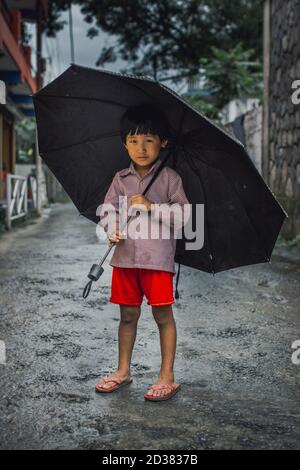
144,266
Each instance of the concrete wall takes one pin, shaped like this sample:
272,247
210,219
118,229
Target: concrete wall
248,129
253,136
55,191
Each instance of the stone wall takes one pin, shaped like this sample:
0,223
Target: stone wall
284,116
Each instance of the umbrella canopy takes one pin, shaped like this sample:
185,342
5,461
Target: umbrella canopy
78,116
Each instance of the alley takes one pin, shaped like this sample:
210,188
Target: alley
240,388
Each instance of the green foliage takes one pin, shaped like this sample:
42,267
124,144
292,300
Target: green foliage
26,138
54,24
294,243
156,38
227,75
167,35
233,74
205,107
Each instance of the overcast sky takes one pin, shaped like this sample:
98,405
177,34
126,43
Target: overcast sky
58,52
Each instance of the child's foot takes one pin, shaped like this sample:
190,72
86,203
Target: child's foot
117,379
162,392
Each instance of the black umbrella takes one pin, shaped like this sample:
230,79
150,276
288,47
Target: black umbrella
78,117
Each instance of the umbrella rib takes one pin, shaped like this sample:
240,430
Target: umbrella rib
250,221
105,185
188,150
205,199
110,72
94,99
90,139
84,98
101,99
226,133
238,196
160,85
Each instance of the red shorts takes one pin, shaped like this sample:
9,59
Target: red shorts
129,285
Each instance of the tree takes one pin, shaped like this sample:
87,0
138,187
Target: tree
227,75
160,36
25,142
172,39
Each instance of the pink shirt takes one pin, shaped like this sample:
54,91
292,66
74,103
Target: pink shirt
152,253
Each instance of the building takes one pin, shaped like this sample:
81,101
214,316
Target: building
237,107
21,78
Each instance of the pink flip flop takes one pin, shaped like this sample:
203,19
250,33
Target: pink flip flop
118,384
172,389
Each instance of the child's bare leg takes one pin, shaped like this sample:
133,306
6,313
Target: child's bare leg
129,316
164,318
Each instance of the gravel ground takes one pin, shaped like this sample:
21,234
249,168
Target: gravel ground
240,389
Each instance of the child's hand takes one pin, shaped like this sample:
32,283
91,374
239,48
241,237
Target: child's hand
140,199
115,237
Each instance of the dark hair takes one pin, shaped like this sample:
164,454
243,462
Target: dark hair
143,119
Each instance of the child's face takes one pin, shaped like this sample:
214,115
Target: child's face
143,149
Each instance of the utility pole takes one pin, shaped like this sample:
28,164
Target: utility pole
265,126
39,83
71,34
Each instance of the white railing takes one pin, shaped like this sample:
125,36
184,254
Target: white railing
16,197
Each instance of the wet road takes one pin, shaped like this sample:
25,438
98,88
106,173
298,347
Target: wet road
240,389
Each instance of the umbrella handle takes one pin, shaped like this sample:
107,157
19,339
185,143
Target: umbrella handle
95,273
97,269
87,289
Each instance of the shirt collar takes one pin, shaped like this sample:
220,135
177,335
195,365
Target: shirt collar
132,170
